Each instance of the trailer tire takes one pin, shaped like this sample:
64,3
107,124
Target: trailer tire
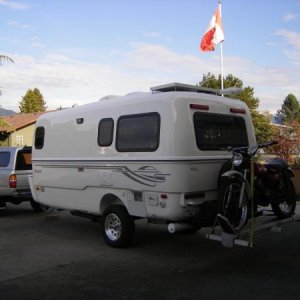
35,206
38,207
117,226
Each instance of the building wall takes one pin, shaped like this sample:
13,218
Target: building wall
22,137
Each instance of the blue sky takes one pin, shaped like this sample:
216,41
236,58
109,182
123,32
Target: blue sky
79,51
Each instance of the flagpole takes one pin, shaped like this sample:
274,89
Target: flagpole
221,50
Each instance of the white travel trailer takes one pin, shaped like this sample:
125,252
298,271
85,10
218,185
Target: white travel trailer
143,155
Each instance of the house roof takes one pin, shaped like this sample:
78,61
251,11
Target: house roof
19,121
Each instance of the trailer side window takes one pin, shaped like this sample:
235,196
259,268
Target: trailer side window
105,132
39,137
138,133
217,132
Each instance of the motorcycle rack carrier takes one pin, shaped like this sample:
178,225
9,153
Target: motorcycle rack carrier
228,240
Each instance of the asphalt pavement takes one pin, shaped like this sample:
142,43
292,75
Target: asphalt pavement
65,257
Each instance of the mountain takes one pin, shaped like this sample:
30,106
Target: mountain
6,112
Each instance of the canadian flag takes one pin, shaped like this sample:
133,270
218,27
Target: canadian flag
214,33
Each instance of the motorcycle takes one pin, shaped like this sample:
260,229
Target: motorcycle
250,184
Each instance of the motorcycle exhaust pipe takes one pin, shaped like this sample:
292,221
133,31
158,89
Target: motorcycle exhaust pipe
178,227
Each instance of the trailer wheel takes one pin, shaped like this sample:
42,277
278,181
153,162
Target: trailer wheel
35,205
117,226
39,207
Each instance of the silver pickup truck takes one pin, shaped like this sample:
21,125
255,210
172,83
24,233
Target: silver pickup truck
15,166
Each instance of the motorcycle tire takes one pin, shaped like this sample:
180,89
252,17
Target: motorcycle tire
285,203
228,203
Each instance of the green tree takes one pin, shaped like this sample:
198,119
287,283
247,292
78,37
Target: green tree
262,126
33,101
3,123
211,81
5,127
290,110
247,95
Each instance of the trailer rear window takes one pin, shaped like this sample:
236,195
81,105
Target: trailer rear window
105,132
138,133
39,137
218,132
4,159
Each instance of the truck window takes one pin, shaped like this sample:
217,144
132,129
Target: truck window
105,132
4,159
138,133
217,132
39,137
24,160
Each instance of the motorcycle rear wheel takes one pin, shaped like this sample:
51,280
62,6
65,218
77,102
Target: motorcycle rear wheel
284,206
228,203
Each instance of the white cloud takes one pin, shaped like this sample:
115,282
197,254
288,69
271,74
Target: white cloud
292,39
18,25
35,43
158,35
290,17
38,45
14,4
154,35
64,81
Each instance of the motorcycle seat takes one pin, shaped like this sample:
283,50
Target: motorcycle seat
276,165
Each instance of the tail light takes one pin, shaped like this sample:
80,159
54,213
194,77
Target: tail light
13,181
199,106
237,111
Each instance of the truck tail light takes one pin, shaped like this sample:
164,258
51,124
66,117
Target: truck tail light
13,181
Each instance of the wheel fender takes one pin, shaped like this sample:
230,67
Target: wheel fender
125,198
234,173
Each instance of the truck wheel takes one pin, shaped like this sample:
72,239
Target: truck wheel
117,226
3,209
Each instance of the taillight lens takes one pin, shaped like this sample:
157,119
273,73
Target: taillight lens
237,111
199,106
13,181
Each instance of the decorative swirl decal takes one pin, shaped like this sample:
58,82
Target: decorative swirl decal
145,175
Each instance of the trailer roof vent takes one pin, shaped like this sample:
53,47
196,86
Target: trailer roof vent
108,97
181,87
